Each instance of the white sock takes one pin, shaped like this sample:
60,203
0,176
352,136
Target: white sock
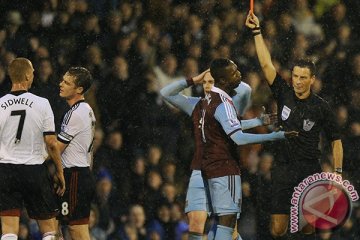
49,236
239,237
9,236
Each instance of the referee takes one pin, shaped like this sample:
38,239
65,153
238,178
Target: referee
299,110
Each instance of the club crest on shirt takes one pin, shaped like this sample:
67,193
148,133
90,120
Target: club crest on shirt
285,113
307,126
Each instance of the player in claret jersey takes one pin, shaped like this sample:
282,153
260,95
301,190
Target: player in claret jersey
196,199
26,127
221,132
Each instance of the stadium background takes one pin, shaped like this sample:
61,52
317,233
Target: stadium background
143,146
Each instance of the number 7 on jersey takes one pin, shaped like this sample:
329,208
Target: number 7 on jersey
22,114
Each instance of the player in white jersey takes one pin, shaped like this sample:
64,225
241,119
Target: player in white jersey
26,127
75,140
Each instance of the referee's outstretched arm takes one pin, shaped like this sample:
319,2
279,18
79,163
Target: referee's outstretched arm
263,53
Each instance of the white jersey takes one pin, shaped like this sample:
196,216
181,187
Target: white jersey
24,120
77,130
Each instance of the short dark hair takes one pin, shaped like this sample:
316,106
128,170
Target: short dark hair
82,76
217,67
306,63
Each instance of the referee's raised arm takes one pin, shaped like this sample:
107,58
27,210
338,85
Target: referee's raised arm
262,51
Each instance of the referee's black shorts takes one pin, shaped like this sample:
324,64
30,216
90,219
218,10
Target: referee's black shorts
29,186
284,177
80,190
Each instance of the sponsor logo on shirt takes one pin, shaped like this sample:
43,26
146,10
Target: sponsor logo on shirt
285,113
307,126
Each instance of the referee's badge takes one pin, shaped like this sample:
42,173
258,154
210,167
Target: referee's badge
285,113
307,126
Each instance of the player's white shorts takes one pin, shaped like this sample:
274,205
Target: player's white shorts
225,195
196,196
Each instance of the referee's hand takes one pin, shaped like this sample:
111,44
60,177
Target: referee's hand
252,21
60,183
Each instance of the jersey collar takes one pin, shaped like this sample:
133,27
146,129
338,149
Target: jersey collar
78,102
18,92
218,90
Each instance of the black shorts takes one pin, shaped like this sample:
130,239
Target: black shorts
29,186
80,190
284,177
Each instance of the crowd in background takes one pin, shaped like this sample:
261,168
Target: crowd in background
143,146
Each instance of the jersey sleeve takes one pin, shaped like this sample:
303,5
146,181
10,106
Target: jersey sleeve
242,99
225,114
70,126
171,93
48,124
279,87
241,138
331,128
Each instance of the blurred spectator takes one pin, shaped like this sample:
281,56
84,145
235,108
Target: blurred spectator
161,224
96,232
177,218
152,193
134,228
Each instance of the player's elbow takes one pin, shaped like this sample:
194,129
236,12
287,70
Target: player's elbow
239,139
164,93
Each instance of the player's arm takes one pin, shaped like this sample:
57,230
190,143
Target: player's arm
171,93
55,154
70,126
263,120
337,151
242,99
52,146
62,146
226,116
262,51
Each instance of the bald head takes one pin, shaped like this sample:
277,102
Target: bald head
20,70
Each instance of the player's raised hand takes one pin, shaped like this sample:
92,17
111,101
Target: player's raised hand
252,21
268,118
200,78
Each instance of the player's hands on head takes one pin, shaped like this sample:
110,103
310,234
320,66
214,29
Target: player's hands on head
200,78
268,118
252,21
60,183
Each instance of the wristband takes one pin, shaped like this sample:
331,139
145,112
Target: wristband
256,33
338,170
190,82
255,28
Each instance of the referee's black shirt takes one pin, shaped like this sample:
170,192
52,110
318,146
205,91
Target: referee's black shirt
308,116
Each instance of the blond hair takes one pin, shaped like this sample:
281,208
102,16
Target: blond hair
18,69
